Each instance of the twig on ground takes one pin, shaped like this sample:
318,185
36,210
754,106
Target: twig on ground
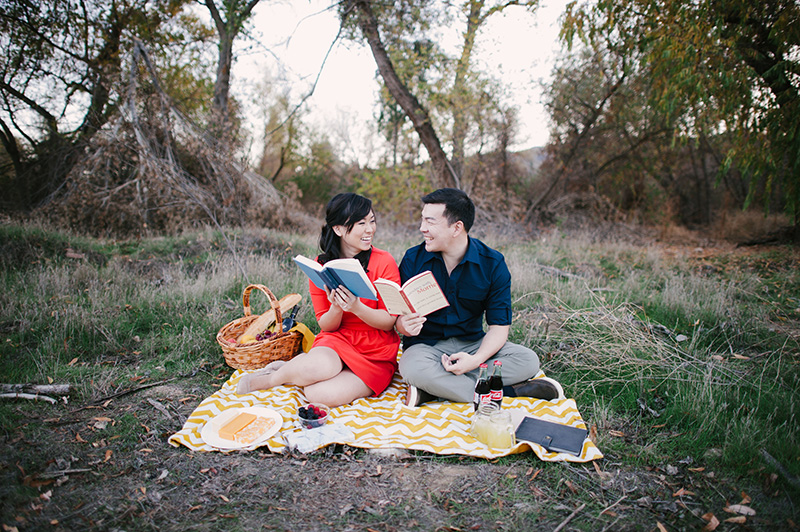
570,517
607,508
123,393
61,473
31,396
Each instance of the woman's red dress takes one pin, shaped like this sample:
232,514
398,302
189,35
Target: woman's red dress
368,352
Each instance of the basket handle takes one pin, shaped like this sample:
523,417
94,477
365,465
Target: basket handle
276,306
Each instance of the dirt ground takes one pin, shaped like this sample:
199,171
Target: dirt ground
63,470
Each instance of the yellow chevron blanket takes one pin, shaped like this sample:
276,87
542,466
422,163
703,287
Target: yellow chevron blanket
384,422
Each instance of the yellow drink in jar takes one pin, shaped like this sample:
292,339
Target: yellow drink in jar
480,430
501,430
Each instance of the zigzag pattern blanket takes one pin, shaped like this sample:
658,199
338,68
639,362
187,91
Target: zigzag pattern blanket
385,422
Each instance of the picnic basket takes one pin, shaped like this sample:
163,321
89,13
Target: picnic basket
281,346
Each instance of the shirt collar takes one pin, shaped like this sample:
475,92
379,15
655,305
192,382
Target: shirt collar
472,254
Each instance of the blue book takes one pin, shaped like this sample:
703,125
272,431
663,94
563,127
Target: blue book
347,272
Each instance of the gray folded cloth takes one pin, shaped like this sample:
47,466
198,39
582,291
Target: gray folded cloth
308,440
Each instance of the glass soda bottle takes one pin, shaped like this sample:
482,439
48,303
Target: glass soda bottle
290,321
496,383
482,390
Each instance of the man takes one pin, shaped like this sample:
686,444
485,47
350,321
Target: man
442,352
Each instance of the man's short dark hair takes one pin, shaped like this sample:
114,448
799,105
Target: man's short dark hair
457,205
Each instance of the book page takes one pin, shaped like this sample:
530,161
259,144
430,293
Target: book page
424,293
390,294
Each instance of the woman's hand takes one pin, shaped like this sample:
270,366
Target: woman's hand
344,299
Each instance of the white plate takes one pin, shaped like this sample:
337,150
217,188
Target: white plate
210,432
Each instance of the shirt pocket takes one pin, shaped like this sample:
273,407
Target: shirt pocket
473,299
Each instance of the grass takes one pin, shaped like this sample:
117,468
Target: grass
674,356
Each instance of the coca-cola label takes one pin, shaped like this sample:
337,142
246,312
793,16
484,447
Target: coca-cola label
497,395
485,398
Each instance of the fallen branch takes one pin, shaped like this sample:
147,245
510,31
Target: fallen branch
31,396
57,389
781,469
568,519
556,272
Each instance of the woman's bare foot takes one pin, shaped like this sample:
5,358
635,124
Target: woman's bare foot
248,382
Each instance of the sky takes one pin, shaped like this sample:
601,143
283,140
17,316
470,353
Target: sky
518,48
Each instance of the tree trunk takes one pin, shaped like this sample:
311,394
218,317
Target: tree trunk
444,173
460,98
236,12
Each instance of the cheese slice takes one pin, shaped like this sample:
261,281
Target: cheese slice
254,430
228,430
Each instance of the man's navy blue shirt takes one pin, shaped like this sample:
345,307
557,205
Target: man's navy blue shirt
480,284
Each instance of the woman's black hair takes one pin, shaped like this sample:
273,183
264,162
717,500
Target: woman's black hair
344,209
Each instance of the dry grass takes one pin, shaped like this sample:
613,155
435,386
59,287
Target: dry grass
606,317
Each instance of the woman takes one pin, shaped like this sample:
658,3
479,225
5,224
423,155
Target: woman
355,354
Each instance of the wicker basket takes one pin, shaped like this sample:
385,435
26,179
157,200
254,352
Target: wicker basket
281,346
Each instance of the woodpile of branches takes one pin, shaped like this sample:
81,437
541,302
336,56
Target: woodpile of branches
153,171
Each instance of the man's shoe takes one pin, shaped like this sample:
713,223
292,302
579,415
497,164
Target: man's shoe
541,388
416,396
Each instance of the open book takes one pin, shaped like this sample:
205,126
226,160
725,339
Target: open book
347,272
420,294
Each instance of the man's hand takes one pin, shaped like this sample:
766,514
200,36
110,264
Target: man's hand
460,363
410,324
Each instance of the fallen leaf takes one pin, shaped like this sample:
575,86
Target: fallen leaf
50,380
745,498
697,469
570,486
712,524
717,358
54,522
682,492
741,357
72,362
146,450
593,433
616,433
739,519
193,508
739,509
224,498
661,527
78,438
108,455
143,490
